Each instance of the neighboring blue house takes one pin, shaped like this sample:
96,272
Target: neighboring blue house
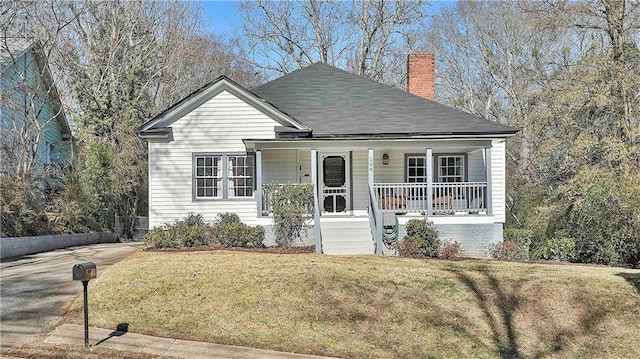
33,127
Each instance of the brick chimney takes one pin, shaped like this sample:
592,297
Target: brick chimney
421,74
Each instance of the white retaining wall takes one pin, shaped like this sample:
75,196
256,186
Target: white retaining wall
19,246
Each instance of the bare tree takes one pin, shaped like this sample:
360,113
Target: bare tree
370,38
119,64
609,27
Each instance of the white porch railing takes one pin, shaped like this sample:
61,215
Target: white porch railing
447,198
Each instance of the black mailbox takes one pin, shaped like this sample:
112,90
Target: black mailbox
84,271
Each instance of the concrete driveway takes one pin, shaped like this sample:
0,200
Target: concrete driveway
35,289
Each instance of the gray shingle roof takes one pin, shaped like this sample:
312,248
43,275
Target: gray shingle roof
336,103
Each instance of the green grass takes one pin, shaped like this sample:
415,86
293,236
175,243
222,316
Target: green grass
370,307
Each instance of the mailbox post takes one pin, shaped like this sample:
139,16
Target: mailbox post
85,272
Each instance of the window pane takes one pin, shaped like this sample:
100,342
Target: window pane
333,171
206,175
416,169
240,176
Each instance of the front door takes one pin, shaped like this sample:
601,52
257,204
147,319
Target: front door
334,182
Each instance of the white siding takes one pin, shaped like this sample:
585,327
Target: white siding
475,166
359,173
304,166
498,180
218,126
394,171
279,166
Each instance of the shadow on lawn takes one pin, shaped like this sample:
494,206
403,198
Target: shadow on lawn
632,278
500,302
503,332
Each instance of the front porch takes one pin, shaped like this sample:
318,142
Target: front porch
447,179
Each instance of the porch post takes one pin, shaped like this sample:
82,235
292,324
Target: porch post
259,181
429,161
487,160
316,201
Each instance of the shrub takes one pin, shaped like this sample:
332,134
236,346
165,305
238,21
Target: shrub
504,250
230,232
420,241
22,213
292,211
408,248
159,238
559,249
448,249
600,210
526,243
191,231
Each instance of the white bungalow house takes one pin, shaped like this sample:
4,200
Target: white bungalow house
367,148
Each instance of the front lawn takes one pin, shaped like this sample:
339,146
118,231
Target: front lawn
370,307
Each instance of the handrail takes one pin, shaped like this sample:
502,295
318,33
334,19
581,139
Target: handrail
469,197
375,220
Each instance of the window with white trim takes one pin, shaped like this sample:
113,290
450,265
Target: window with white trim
223,176
451,168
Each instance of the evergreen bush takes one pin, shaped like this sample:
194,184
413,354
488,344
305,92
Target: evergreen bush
231,232
420,241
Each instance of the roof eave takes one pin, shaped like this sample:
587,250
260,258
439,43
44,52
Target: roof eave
418,135
161,133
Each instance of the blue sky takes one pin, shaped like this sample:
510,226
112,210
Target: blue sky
220,15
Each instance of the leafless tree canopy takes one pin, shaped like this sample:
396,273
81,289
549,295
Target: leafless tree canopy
369,38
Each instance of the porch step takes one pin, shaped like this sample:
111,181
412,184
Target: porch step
343,236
